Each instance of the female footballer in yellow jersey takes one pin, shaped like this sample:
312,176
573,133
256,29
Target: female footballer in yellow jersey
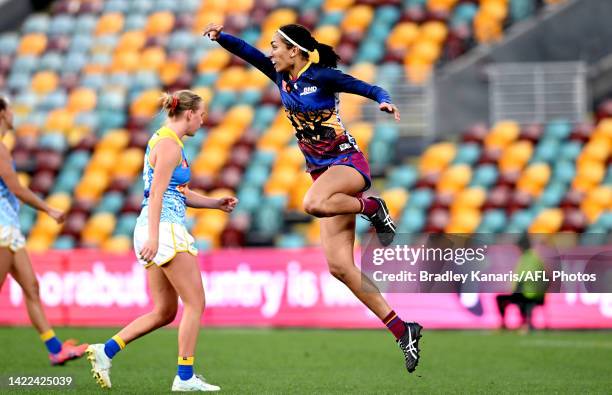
164,246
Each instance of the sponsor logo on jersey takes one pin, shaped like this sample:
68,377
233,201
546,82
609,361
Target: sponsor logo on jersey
308,90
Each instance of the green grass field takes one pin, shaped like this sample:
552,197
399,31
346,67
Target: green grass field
326,361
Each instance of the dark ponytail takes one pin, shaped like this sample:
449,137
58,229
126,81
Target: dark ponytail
327,56
299,34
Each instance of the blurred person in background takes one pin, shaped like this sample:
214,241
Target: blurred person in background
14,258
528,293
164,246
305,72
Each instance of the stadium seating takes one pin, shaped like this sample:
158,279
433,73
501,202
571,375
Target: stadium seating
86,78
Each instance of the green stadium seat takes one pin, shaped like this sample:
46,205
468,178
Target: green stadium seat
420,198
404,176
36,23
250,97
182,39
141,6
331,18
553,194
463,14
485,176
547,150
564,171
268,219
112,202
84,24
135,22
381,153
493,221
64,243
125,225
27,218
521,9
559,130
250,198
55,99
467,153
53,141
62,25
291,240
81,44
264,115
413,220
263,158
520,221
250,35
8,43
25,64
120,6
223,100
74,63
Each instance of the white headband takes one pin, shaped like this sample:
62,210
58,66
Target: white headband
291,41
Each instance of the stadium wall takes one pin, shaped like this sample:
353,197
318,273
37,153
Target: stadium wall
577,31
265,288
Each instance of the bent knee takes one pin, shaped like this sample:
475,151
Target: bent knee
338,270
314,206
166,315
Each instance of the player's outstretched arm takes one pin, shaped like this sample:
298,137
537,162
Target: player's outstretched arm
341,82
24,194
197,200
241,49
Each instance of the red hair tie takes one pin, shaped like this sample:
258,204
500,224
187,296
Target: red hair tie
174,102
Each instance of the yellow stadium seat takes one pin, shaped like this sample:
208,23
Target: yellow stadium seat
275,138
534,179
434,31
117,245
129,163
278,18
125,61
496,9
417,70
515,156
98,228
487,29
364,71
232,78
328,34
313,233
9,141
38,244
152,58
110,23
103,159
403,36
395,199
205,17
548,221
357,19
239,6
32,44
159,23
337,5
437,157
441,5
147,104
425,51
45,82
588,175
362,132
210,161
470,198
60,119
241,116
214,60
82,100
215,5
454,179
134,40
464,222
60,201
502,134
114,140
205,93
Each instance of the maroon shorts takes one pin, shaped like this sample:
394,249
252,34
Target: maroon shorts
357,161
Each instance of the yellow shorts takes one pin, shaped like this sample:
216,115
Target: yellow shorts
173,238
11,238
